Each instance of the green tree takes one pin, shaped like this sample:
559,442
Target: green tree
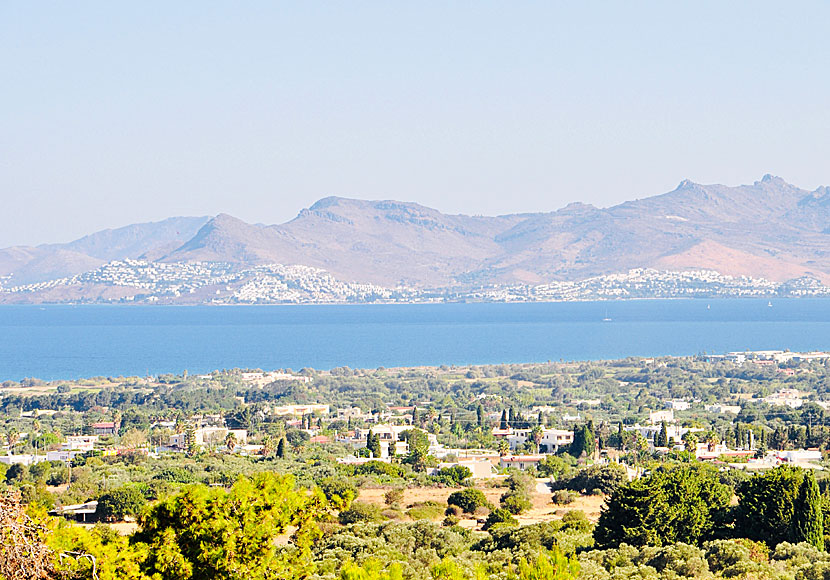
120,503
679,505
499,516
662,437
281,448
536,435
373,444
553,565
418,448
808,520
468,499
767,505
208,533
230,441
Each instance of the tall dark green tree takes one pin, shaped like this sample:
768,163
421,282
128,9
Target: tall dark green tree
480,415
767,505
662,437
281,448
373,444
680,505
808,521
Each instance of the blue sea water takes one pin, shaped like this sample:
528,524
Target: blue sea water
66,342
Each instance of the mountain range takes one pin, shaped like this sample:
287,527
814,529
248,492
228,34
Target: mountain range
768,229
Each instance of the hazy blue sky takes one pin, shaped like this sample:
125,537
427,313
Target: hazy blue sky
113,113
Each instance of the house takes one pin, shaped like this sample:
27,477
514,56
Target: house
389,436
677,405
25,459
521,462
552,439
104,428
79,443
78,512
480,468
208,436
661,416
734,409
300,410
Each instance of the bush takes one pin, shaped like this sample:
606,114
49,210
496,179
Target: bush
120,503
360,512
428,510
176,475
516,502
453,476
500,516
576,520
339,491
606,478
563,497
393,496
380,468
468,499
451,520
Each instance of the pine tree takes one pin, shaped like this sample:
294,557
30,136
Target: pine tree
808,520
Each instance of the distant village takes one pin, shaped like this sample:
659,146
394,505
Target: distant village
138,281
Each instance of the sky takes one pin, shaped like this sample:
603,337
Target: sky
114,113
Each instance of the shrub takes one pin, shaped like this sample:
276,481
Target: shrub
360,512
393,496
500,516
175,475
122,502
451,520
516,502
563,497
468,499
428,510
453,476
380,468
576,520
606,478
339,491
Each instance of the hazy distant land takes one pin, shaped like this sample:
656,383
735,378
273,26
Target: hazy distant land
767,239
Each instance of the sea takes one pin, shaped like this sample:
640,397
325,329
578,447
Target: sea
67,342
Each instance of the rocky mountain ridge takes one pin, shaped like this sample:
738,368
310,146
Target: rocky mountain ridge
769,229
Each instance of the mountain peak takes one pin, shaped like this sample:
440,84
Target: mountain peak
685,184
770,179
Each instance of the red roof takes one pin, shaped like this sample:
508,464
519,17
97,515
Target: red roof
320,439
104,425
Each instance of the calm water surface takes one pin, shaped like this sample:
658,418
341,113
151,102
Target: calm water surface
64,342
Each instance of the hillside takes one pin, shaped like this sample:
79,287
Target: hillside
768,229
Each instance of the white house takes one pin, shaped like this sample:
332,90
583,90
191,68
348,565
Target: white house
677,405
660,416
521,462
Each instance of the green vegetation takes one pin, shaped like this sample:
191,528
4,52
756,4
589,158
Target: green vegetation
283,504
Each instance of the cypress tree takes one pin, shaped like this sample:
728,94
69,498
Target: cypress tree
662,439
373,444
503,422
281,449
808,520
480,415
